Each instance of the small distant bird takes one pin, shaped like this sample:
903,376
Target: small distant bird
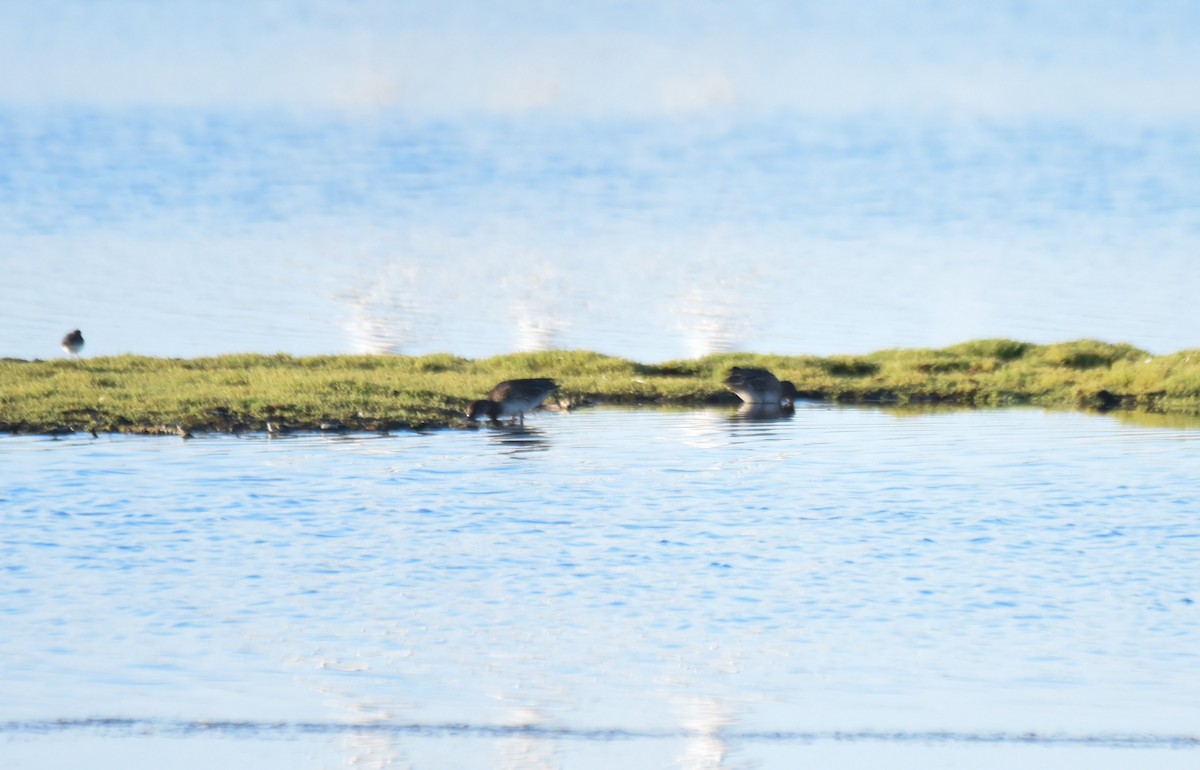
73,342
513,398
759,386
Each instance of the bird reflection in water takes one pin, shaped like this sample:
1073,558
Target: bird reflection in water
764,412
517,439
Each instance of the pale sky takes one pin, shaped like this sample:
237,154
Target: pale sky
1135,58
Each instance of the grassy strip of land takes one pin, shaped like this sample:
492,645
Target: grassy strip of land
137,394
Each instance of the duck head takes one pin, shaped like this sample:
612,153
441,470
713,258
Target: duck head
484,408
787,392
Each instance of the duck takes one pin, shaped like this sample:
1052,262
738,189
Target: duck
513,398
759,386
73,342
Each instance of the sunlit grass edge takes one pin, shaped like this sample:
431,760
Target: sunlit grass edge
139,394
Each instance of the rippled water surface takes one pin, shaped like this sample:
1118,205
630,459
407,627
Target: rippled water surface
194,232
654,588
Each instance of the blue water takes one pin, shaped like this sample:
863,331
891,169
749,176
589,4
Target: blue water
678,585
193,232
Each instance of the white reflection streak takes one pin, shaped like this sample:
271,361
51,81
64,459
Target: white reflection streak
705,428
705,718
520,751
383,317
538,323
709,325
537,329
372,749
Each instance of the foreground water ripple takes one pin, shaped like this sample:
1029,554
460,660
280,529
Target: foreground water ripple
847,575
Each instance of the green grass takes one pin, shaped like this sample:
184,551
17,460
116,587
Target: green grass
246,392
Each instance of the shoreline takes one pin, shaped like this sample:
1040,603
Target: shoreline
358,393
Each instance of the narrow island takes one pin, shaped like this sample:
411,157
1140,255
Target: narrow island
245,392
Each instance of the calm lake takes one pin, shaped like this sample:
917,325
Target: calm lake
847,587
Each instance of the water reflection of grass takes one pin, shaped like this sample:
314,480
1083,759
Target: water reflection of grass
236,392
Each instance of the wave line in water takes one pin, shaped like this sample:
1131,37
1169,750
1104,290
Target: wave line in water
134,727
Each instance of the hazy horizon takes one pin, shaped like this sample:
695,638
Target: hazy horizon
1127,60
